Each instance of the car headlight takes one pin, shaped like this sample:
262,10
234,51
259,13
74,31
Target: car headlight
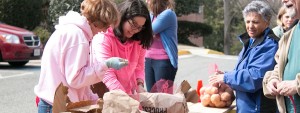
9,38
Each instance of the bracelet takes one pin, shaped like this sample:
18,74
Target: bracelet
140,83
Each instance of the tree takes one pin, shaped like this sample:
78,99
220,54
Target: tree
228,15
213,14
194,28
22,13
61,7
185,28
184,7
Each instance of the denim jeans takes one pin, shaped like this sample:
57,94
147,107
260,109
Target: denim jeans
158,69
44,107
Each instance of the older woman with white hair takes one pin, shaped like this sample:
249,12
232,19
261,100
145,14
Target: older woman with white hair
256,58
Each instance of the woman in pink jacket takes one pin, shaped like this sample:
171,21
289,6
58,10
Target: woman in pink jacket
129,41
66,57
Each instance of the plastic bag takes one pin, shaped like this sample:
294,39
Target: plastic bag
163,86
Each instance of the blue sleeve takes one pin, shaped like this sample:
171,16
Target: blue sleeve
249,79
164,20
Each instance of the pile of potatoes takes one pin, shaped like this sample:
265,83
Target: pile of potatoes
217,95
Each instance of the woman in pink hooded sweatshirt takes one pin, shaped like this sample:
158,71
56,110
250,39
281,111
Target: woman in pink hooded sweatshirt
66,57
129,41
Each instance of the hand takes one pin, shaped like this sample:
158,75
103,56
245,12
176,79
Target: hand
272,86
217,78
116,62
219,72
140,89
287,88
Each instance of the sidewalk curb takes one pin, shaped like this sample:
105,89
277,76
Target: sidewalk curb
206,51
183,52
209,51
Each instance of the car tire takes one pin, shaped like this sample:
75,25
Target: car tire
18,64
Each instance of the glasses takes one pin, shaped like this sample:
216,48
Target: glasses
134,25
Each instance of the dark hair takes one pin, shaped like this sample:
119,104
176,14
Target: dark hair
130,9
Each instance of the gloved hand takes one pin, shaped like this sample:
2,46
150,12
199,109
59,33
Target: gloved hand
116,62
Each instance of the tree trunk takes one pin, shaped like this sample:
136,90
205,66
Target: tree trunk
227,20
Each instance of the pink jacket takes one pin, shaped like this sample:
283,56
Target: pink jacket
66,59
107,45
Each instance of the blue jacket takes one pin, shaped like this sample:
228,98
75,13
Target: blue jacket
166,25
246,78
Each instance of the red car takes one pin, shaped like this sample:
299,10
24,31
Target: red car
18,45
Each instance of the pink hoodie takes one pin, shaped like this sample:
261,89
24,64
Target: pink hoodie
66,59
107,45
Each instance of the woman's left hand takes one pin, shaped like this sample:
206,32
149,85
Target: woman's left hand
140,89
287,88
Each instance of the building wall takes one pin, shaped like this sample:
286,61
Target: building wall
195,17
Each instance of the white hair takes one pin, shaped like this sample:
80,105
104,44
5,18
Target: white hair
259,7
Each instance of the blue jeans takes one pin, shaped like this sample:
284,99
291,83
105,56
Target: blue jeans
158,69
44,107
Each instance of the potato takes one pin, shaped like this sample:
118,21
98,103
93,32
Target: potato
220,96
225,96
212,104
200,97
215,98
202,90
229,90
205,100
220,104
207,90
214,90
223,87
215,85
228,103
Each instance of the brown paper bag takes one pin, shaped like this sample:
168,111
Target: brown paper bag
117,101
192,96
163,103
60,99
189,93
99,89
166,103
62,103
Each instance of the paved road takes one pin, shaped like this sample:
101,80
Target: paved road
16,84
195,67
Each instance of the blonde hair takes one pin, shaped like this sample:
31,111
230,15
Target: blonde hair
102,13
281,12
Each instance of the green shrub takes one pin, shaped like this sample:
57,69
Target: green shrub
43,33
22,13
59,8
215,41
186,28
